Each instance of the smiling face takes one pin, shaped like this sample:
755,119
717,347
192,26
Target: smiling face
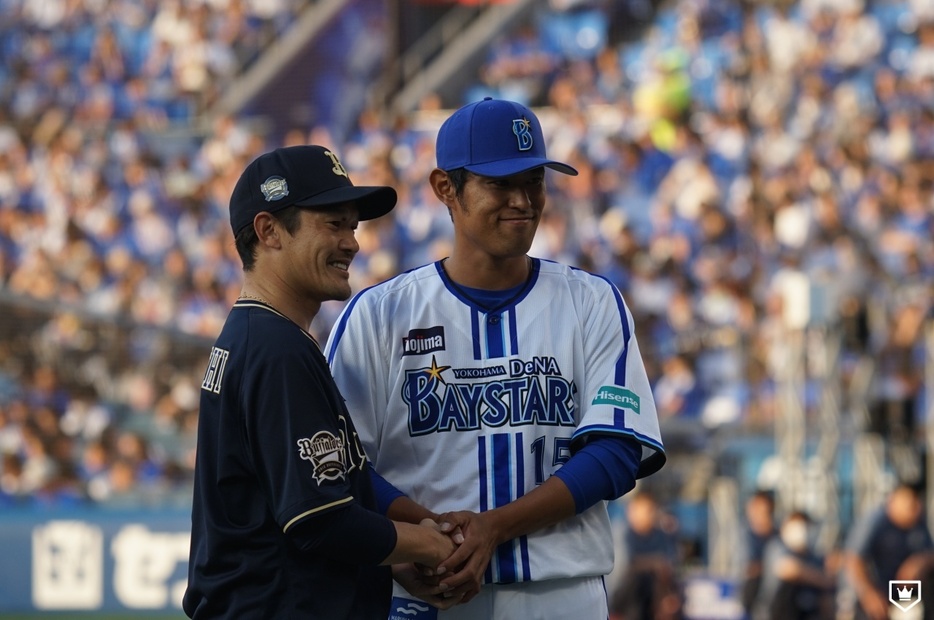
318,254
498,217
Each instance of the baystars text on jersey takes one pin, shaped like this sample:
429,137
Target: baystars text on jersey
518,393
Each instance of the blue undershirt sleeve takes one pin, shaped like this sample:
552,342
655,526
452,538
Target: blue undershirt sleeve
603,469
385,492
350,534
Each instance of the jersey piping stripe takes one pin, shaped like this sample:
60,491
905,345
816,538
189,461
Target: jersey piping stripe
513,331
654,462
484,499
494,336
314,510
620,414
259,304
613,430
502,495
621,362
504,448
650,464
475,333
342,326
520,491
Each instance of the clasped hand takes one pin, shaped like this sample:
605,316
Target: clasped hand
457,579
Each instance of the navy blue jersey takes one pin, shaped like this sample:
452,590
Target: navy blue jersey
276,447
884,546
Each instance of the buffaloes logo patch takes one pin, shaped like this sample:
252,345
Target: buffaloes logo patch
326,453
274,188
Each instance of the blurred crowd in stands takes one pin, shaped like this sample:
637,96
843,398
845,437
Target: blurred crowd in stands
740,161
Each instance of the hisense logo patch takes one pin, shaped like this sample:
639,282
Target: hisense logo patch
616,396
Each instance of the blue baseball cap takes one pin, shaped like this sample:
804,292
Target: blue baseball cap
494,138
307,176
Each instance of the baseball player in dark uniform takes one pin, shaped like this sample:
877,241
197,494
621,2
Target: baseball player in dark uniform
284,521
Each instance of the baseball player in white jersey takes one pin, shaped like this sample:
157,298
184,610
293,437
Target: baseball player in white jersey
498,392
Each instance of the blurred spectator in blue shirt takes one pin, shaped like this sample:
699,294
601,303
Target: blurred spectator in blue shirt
890,543
650,583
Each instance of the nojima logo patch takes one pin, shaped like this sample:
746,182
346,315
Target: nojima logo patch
616,396
421,341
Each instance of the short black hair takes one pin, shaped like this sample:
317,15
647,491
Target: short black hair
765,495
458,178
246,240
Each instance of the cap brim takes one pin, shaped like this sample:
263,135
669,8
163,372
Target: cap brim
371,202
509,167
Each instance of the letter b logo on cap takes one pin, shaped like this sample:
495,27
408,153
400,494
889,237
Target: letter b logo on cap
521,127
338,166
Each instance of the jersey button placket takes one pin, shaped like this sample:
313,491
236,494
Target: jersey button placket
493,319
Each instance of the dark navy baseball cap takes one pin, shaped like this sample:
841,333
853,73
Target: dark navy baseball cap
494,138
304,176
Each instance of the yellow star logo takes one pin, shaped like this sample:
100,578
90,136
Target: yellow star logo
527,123
435,371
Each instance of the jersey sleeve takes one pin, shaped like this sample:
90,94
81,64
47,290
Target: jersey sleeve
604,469
357,360
299,441
385,492
350,533
616,396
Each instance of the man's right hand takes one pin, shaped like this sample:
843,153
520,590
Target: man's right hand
462,573
423,543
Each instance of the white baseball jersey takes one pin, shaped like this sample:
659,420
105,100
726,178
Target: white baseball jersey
464,409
